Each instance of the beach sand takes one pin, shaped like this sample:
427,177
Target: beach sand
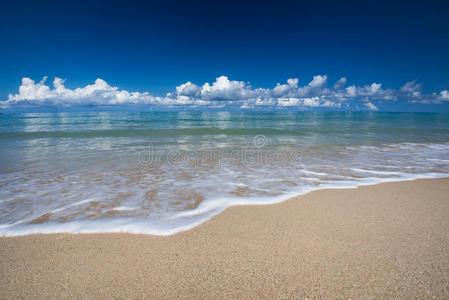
389,240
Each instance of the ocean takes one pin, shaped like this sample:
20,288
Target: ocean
164,172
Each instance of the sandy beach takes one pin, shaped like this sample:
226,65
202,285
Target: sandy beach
389,240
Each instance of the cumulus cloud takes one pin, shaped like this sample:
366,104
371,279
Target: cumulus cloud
99,93
284,89
318,80
411,89
444,95
370,106
340,83
221,93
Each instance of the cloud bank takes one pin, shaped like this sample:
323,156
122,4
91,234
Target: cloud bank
223,93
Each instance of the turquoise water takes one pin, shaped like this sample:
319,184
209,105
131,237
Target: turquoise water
163,172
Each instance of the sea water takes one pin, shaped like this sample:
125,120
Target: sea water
164,172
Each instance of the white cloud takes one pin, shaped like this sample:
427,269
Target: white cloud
99,93
288,101
444,95
374,88
318,80
411,89
370,106
283,89
312,102
340,83
188,89
223,92
225,89
306,102
351,91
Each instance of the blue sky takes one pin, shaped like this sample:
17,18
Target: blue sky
148,49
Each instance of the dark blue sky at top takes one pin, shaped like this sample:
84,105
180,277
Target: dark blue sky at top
157,45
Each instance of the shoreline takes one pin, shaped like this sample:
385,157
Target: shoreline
133,226
388,240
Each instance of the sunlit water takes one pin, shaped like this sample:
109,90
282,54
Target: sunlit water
163,172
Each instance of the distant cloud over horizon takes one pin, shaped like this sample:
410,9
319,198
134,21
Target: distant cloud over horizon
223,93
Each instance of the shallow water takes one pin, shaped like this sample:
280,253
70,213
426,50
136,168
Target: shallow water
162,172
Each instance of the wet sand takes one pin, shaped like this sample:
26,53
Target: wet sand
385,241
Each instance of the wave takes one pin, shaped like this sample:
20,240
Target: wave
204,212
